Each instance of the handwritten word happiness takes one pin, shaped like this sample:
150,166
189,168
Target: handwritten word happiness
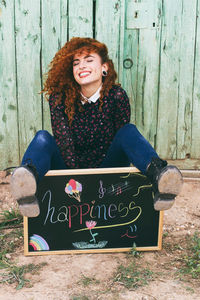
80,212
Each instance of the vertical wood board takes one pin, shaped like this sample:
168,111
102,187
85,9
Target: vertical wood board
148,77
63,21
169,79
129,82
28,46
51,32
122,25
80,18
187,45
107,28
195,148
9,147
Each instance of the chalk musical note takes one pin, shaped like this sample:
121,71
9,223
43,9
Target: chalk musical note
119,190
102,190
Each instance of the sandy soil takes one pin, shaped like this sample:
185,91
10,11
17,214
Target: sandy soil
65,276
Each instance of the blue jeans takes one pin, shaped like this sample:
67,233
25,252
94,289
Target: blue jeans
128,146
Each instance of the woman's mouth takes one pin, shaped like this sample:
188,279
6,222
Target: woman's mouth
84,74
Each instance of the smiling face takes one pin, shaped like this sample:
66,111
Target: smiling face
87,70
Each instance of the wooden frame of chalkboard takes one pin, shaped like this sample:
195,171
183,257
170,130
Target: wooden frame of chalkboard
94,211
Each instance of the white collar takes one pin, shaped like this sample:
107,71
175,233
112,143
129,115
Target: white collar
92,98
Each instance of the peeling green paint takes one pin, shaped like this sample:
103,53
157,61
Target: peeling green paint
35,37
117,6
4,2
4,118
1,138
25,12
85,20
33,128
32,37
12,107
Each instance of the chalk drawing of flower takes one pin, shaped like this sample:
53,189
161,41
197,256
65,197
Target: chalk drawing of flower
91,224
88,245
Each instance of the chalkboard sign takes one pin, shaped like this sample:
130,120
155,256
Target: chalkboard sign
93,210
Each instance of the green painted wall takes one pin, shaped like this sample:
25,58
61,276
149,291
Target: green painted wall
155,45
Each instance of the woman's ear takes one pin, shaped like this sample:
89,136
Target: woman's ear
105,67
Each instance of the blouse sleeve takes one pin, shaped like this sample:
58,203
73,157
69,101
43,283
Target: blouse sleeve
62,133
122,109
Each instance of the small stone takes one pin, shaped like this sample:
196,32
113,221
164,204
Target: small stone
8,256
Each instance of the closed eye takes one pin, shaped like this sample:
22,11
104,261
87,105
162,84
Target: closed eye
75,63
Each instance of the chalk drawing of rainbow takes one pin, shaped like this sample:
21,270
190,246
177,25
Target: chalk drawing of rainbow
38,243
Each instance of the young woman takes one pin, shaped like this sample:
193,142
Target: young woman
90,117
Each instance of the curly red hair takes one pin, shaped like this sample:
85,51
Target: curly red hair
60,80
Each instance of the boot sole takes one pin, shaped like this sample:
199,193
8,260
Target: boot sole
29,209
23,188
170,181
22,183
163,202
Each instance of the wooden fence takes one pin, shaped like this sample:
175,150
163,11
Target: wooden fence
155,45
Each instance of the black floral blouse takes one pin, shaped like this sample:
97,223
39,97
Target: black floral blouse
85,143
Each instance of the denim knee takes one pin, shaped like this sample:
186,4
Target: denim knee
128,127
43,138
126,130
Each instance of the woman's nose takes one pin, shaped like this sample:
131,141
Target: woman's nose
82,64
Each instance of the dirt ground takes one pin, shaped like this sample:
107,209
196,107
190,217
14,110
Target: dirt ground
91,276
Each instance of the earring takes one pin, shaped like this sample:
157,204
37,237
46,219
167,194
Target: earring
104,73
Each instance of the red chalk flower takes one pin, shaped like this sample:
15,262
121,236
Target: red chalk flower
90,224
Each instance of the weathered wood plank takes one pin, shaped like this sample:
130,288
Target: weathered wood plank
63,22
28,45
129,83
178,106
169,79
121,40
51,33
80,18
148,73
195,149
191,174
107,28
9,147
186,164
187,44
